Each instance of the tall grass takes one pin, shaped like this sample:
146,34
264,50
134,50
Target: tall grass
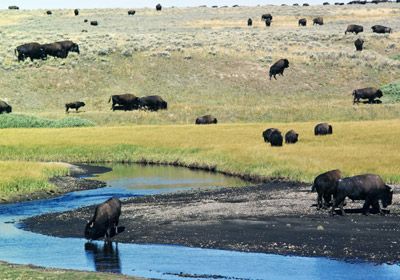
24,121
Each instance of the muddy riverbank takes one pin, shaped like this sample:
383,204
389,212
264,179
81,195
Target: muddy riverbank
275,217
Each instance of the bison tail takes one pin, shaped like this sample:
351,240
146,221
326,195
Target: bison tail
330,129
109,100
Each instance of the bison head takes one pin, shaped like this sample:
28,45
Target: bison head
92,232
387,197
286,63
75,48
379,93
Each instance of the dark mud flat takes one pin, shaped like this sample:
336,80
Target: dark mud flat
276,217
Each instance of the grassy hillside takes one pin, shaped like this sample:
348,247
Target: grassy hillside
203,60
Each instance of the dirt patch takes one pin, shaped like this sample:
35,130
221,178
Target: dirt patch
276,217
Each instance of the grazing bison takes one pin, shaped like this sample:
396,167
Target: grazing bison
267,22
69,46
381,29
152,103
369,93
266,16
49,13
367,187
4,107
55,50
74,105
267,134
13,7
127,101
325,185
306,5
323,129
76,12
158,7
302,22
276,138
359,44
326,3
249,22
318,21
291,137
354,28
94,22
131,12
207,119
31,50
105,220
278,68
85,20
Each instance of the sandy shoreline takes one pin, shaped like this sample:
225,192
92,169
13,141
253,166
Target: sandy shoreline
276,217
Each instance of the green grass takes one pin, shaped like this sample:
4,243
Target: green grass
24,121
21,272
391,92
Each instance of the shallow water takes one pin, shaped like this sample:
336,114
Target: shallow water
158,261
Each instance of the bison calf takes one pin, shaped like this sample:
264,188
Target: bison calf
367,187
105,220
325,185
74,105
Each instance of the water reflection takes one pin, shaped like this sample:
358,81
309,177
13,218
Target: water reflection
104,256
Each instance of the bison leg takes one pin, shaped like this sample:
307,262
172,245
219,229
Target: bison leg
366,205
275,76
319,201
66,110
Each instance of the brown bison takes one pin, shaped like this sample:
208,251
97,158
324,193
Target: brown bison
31,50
276,138
249,22
74,105
367,187
278,68
127,101
4,107
381,29
354,28
105,220
325,185
318,21
369,93
207,119
302,22
359,44
323,129
267,134
291,137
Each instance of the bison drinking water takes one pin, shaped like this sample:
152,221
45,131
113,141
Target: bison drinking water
323,129
325,185
278,68
74,105
207,119
369,93
105,220
367,187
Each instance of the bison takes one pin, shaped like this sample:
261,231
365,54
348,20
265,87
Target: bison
276,138
249,22
131,12
381,29
13,7
326,4
74,105
105,220
267,134
49,13
325,185
354,28
69,46
158,7
94,22
367,187
306,5
323,129
4,107
369,93
55,50
207,119
266,16
31,50
128,101
359,44
76,12
318,21
302,22
291,137
278,68
267,22
152,103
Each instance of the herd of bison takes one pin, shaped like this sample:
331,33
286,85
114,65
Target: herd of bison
332,189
